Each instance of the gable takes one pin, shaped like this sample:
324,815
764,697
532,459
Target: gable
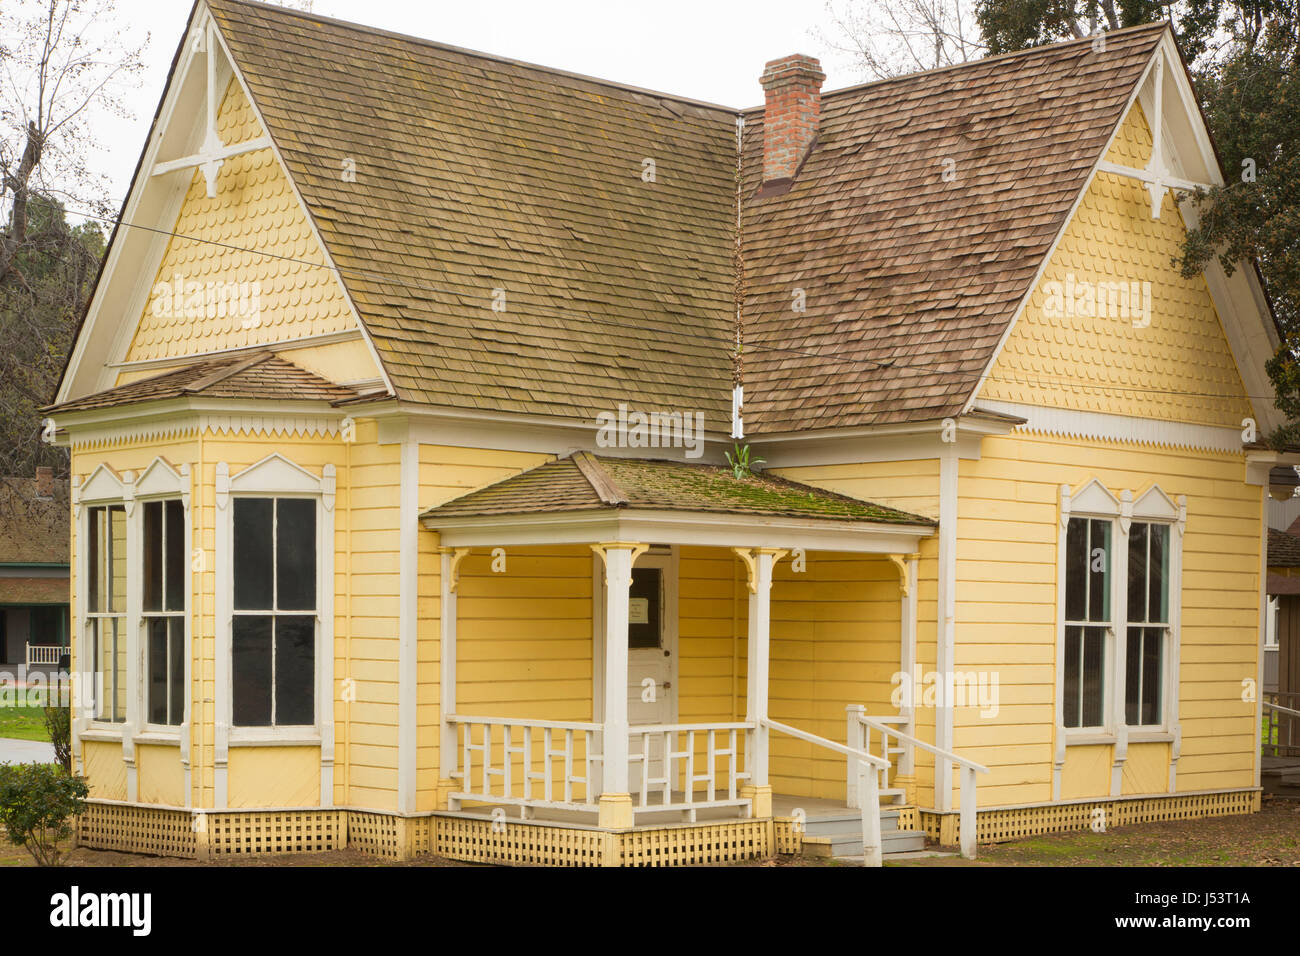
1112,326
915,229
243,267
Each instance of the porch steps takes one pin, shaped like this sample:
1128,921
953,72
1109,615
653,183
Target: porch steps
1280,777
840,835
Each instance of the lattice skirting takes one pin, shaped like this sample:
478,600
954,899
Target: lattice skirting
166,831
1010,823
216,835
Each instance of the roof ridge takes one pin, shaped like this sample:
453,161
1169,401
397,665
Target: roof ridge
606,489
996,57
227,371
481,54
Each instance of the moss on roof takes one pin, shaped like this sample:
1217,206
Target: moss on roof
584,482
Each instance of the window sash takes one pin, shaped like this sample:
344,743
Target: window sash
107,579
290,693
1144,675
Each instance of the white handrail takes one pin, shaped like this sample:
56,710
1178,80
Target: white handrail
966,837
862,755
868,786
883,726
1280,709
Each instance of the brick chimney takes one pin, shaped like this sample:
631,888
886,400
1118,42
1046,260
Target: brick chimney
793,85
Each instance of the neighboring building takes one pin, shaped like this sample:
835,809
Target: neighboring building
34,590
363,553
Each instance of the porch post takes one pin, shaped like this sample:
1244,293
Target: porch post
760,562
448,740
615,808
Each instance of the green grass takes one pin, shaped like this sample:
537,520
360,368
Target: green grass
23,723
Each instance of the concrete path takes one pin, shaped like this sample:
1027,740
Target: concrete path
25,751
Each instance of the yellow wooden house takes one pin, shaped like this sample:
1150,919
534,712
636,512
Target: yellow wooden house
402,518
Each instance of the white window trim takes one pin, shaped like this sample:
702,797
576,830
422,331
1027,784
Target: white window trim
1093,500
161,482
103,488
272,477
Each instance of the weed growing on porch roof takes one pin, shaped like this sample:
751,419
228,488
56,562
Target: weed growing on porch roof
741,465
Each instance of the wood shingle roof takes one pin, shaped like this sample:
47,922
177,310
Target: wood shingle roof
518,239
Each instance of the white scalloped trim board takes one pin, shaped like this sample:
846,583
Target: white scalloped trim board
1101,426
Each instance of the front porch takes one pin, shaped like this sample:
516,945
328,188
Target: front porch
823,616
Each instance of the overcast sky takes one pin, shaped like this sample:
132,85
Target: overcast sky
710,50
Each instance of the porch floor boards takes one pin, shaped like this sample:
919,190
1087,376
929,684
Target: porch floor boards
783,805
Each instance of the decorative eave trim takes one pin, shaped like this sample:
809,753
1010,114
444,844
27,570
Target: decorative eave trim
173,418
1104,426
705,529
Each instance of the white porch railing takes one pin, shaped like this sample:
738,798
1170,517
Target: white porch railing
489,748
553,765
867,788
674,747
44,653
860,728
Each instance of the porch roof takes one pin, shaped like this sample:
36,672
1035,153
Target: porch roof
586,497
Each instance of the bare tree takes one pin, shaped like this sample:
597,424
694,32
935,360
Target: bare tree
61,63
884,38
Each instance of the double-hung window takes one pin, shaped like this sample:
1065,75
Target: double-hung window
106,610
1088,620
1148,623
163,609
273,631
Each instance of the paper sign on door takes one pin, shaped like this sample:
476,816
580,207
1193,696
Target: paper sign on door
638,611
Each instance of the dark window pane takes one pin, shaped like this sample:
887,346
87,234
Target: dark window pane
95,545
158,670
643,629
1092,676
1073,652
1099,571
153,549
295,554
251,670
1158,591
1076,570
295,670
1132,675
176,697
1137,572
252,554
1152,646
175,556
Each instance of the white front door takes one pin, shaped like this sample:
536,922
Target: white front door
651,658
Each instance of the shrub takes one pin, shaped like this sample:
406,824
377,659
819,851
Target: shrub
58,724
38,802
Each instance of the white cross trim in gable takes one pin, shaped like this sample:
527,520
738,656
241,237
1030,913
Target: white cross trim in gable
212,153
1157,175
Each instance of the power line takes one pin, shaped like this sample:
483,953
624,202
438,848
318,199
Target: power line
722,343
